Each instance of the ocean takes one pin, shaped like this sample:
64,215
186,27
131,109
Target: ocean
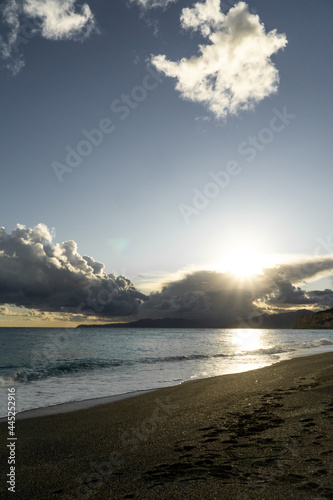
51,366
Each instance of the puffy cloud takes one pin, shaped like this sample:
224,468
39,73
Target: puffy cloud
234,71
278,285
322,297
214,298
288,294
203,17
209,297
54,281
36,274
59,19
52,19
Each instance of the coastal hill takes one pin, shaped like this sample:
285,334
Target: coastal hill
271,321
267,321
150,323
319,320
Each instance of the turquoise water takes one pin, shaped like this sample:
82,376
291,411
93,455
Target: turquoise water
49,366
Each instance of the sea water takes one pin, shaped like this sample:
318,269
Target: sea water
50,366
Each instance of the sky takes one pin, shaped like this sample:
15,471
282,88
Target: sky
164,159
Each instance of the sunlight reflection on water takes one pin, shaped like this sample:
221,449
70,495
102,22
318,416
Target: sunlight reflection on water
248,340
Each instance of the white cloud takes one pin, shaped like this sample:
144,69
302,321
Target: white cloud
52,19
60,20
10,14
203,16
149,4
234,71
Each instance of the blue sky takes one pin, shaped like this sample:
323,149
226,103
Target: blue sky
124,203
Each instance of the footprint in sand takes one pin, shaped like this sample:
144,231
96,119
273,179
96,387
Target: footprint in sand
325,453
214,433
309,486
183,448
315,460
321,472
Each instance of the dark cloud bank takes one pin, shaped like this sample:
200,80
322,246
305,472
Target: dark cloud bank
37,274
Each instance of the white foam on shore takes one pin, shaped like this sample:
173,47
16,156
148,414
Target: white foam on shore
73,406
323,349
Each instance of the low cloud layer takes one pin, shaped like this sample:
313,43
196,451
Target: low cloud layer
215,298
204,296
50,279
51,19
36,274
232,72
4,311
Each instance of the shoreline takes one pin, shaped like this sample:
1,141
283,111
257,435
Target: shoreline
73,406
255,434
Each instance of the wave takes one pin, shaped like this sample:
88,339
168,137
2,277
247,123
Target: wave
63,369
76,366
79,366
285,348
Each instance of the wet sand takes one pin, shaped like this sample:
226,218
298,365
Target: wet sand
264,434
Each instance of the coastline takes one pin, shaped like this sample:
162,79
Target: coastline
71,406
231,435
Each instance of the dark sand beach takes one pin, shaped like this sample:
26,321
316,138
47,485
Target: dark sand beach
263,434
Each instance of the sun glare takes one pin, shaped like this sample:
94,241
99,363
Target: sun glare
245,264
247,340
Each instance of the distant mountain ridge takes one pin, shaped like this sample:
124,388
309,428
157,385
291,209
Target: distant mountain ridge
278,321
271,321
150,323
321,320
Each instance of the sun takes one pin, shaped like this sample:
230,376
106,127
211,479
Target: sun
245,263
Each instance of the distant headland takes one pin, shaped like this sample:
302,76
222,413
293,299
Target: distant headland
300,319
